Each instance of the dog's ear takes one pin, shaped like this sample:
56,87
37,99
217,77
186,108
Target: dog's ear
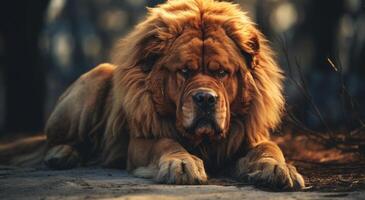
141,48
247,41
148,50
144,46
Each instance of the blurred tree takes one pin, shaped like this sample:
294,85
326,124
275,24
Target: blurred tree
321,27
79,35
21,22
322,24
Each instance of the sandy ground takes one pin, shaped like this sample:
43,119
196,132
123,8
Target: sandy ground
98,183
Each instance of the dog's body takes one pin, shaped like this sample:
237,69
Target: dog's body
192,89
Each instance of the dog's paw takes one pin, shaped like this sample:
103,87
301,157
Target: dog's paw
62,157
268,172
181,169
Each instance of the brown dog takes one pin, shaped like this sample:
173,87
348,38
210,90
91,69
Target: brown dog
192,89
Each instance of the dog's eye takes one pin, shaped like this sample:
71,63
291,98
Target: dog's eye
221,73
185,72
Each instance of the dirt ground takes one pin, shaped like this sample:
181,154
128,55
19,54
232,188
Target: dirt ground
99,183
324,169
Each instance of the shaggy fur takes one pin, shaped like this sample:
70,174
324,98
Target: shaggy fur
139,111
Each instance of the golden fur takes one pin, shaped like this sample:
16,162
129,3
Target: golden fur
139,111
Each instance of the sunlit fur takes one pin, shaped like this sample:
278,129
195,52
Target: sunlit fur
138,109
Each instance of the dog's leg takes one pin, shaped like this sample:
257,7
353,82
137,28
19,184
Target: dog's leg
62,157
76,118
166,161
264,165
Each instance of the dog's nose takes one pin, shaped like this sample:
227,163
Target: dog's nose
205,100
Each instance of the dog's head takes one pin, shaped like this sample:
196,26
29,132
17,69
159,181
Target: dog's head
205,63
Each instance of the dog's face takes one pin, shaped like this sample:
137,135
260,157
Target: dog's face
201,77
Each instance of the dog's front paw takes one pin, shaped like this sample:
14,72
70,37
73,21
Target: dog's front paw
268,172
181,168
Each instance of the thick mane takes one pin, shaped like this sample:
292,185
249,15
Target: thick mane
137,53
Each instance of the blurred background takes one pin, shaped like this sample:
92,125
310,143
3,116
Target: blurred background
45,45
